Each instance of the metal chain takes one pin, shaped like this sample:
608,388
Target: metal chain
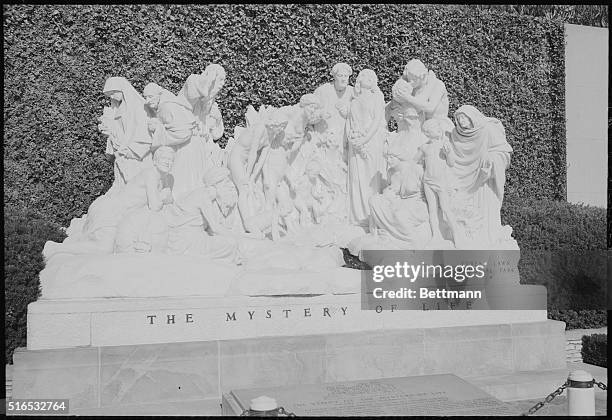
546,400
556,393
600,384
281,410
277,411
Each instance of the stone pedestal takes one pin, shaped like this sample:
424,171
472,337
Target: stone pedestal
116,322
99,373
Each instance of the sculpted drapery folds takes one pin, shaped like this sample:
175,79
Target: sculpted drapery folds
482,157
148,191
175,126
125,125
366,134
194,223
248,154
409,119
335,98
200,91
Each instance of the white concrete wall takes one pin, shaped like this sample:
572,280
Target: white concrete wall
586,104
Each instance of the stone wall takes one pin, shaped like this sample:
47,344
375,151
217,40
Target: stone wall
586,101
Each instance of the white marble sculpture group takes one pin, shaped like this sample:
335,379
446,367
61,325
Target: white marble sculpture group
303,179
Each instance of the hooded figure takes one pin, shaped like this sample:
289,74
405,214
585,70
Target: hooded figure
125,123
482,157
200,91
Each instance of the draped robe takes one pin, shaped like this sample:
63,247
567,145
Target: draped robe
486,141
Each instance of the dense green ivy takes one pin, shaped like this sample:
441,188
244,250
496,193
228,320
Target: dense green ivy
25,234
58,57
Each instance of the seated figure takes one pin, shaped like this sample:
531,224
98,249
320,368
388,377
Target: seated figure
399,216
151,189
194,228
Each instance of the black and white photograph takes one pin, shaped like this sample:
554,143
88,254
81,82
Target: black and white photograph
296,210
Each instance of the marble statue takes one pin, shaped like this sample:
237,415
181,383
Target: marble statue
281,160
194,226
124,124
315,196
428,95
174,125
482,155
201,90
408,118
151,188
437,157
275,221
366,134
293,185
400,218
335,99
263,128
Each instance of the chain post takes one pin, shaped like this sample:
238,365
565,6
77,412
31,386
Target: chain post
558,392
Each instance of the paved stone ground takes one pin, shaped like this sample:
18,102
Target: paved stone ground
558,406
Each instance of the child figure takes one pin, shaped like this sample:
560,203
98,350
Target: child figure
436,154
397,157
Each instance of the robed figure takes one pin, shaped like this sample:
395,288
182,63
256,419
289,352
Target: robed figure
482,156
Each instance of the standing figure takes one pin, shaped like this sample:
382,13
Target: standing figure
437,156
408,118
482,157
201,90
175,126
330,136
125,125
335,99
281,159
366,133
429,95
262,128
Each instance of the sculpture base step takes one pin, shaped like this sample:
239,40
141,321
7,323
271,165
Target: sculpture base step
96,377
115,322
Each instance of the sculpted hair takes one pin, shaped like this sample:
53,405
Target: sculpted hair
363,74
152,89
341,68
415,67
310,99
